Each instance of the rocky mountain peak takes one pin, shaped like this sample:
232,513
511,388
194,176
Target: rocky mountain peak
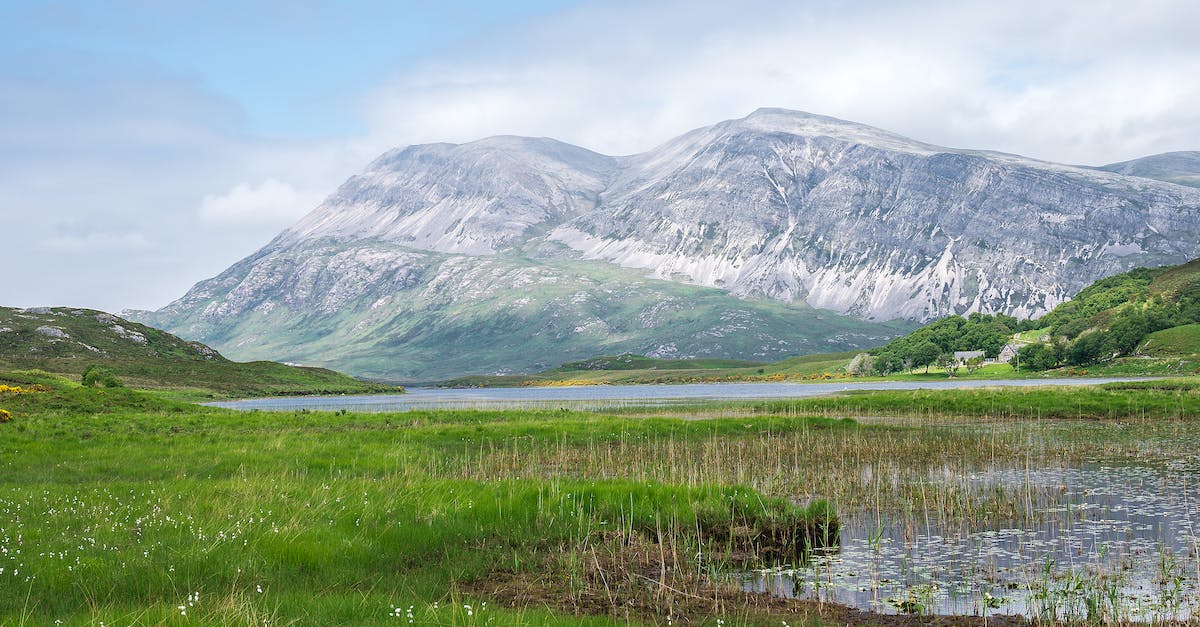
476,198
812,126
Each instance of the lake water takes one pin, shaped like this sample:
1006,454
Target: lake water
1113,538
610,396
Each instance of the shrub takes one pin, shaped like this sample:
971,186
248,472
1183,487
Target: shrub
100,376
5,415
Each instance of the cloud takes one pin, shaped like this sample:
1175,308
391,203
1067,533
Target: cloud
147,172
1087,82
270,203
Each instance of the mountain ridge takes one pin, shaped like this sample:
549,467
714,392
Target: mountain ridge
829,217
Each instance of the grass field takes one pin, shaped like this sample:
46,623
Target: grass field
123,507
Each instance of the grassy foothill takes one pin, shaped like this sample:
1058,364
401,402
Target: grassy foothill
70,341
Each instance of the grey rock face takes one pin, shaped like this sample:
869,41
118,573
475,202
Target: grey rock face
779,207
792,206
475,199
783,205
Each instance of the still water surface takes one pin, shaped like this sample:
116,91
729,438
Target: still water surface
1102,539
607,396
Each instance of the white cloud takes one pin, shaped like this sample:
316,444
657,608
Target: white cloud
1083,81
272,203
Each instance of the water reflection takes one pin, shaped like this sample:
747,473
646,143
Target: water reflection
1103,540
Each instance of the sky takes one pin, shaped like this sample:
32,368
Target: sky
145,146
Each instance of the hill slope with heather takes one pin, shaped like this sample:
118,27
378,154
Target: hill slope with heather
68,341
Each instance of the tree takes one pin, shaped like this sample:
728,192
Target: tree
94,376
862,365
887,362
1089,349
1037,357
925,354
973,364
947,362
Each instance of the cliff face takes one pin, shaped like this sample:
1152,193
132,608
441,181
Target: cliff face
517,253
797,207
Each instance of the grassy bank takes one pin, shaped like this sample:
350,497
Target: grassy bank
832,367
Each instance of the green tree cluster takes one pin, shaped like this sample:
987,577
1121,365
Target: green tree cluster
1117,333
936,342
1110,318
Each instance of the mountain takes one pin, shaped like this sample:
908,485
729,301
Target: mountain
860,221
68,341
1181,167
777,234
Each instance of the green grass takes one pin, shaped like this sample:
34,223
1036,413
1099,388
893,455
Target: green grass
822,367
120,504
1170,399
1033,335
1173,342
629,361
638,370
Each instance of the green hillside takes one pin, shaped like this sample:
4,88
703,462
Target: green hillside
69,341
1144,321
1174,342
451,316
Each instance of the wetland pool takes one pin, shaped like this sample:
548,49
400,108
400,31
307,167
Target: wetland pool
1116,541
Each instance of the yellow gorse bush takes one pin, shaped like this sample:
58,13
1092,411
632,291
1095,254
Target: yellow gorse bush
5,415
16,389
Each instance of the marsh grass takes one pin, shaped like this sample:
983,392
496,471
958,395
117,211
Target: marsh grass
123,507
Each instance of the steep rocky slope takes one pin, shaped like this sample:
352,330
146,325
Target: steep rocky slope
515,254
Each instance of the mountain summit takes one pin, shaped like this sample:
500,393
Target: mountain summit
519,253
